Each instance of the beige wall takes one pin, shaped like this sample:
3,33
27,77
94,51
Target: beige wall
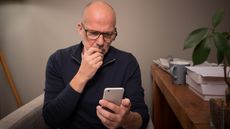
32,30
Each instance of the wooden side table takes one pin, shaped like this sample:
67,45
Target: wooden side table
175,106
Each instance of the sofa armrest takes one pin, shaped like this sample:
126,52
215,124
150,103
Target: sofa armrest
150,124
29,116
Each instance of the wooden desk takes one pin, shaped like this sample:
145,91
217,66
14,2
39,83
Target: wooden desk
175,106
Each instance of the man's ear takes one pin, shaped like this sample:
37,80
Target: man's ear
79,28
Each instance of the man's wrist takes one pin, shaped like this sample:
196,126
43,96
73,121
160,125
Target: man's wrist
78,83
127,121
133,121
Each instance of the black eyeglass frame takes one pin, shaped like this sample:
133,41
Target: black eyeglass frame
112,35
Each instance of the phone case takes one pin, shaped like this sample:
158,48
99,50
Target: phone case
114,95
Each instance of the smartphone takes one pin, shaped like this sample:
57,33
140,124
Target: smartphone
114,94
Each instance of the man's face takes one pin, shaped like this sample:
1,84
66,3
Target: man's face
97,28
99,35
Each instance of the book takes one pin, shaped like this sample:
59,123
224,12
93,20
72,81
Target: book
206,88
206,97
206,74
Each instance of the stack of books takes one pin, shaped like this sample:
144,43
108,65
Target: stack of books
206,81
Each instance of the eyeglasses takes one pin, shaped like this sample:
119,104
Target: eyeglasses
94,35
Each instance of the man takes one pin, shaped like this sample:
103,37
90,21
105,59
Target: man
76,77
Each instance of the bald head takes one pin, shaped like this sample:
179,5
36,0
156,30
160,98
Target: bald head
99,12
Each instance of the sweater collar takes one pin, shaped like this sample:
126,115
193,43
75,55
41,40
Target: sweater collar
108,58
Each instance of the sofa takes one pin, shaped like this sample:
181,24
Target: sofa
29,116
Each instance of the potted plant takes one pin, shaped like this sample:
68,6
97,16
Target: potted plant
202,39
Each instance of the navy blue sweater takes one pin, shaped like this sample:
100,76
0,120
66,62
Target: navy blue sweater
65,108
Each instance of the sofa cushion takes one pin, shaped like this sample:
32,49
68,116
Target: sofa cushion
29,116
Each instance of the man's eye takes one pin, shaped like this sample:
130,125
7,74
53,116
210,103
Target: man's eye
108,34
94,33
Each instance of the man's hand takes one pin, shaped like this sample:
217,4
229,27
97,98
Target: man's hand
92,60
120,117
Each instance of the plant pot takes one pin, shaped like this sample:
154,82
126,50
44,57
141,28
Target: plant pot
227,96
219,114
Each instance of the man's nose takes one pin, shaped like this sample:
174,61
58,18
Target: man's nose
100,40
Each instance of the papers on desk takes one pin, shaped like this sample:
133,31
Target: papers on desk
163,63
206,81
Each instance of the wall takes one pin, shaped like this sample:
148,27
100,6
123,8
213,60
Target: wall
150,29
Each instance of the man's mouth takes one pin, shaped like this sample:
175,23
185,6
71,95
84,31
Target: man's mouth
103,51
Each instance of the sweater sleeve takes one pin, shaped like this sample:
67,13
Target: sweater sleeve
58,108
135,92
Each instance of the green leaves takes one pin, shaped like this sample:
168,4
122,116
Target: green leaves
217,18
201,51
201,39
220,56
220,42
222,47
198,39
195,37
226,35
